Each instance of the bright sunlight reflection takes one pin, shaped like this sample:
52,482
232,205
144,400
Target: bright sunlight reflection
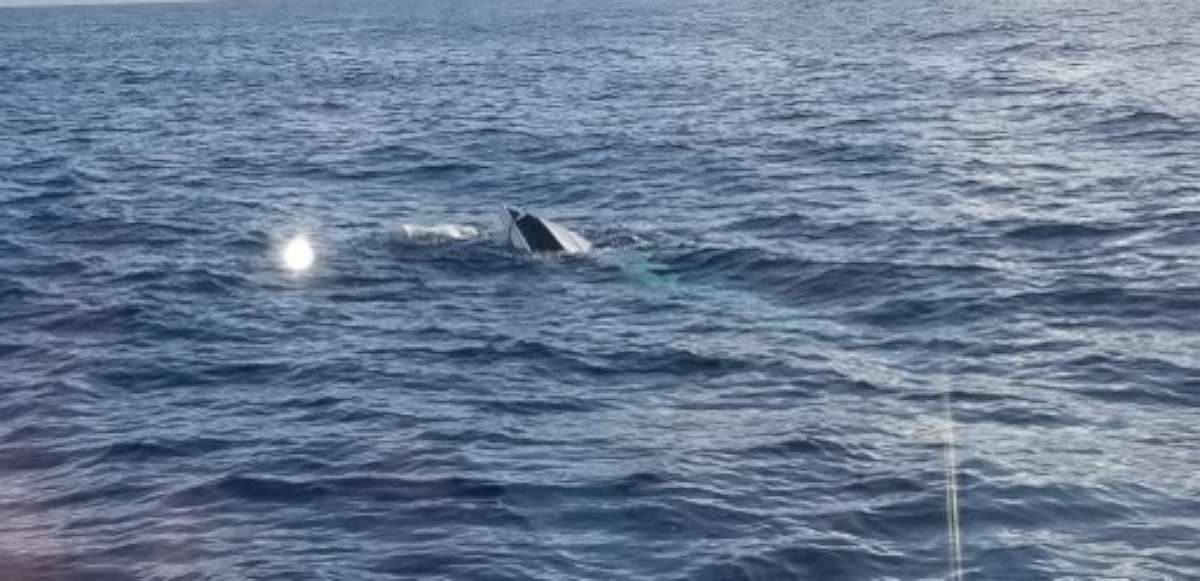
298,254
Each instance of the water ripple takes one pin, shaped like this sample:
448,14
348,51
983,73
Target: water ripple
814,224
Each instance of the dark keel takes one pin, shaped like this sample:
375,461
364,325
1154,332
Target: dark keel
536,234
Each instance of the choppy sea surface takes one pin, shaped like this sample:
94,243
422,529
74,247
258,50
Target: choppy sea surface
817,222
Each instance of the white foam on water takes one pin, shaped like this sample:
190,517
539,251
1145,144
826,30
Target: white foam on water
437,232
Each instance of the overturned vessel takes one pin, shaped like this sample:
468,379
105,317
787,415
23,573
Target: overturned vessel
527,232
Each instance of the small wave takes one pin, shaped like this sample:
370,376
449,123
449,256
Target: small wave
396,152
97,494
901,312
58,186
31,458
791,280
46,162
191,281
69,227
680,362
831,559
1023,416
1017,47
139,451
438,232
1108,305
325,104
997,29
111,318
1021,505
442,169
1164,46
807,446
790,223
1137,118
11,348
848,152
152,450
298,491
1064,232
1113,377
537,407
793,114
15,290
1145,125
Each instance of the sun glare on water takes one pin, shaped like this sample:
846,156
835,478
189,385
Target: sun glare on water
298,254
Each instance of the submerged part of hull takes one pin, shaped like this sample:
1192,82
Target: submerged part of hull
527,232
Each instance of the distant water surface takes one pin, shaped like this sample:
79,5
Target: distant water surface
813,220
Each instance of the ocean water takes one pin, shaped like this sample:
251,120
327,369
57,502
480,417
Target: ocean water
817,223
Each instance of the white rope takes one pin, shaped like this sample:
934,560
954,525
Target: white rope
953,527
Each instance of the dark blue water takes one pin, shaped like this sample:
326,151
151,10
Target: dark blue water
813,221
